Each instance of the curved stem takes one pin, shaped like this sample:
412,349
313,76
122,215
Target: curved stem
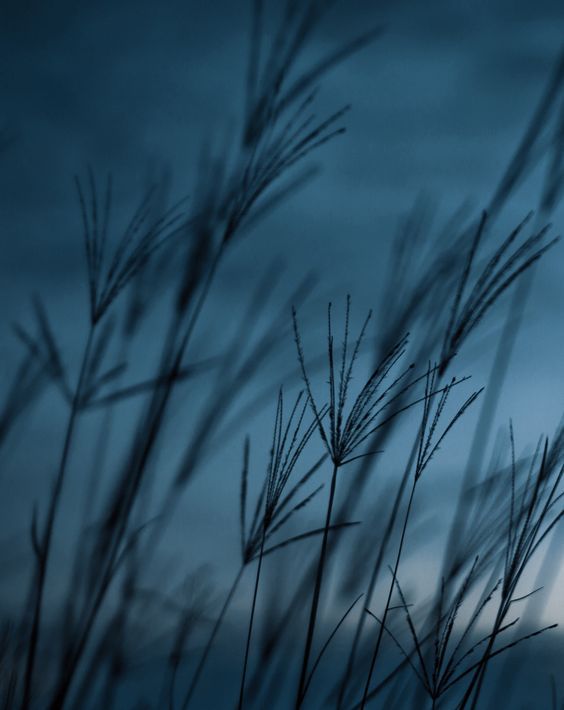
251,621
389,599
155,419
374,577
327,643
44,551
478,677
317,590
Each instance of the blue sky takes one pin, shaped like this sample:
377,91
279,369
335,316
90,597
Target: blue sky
439,103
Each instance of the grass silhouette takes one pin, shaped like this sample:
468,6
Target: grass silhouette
329,634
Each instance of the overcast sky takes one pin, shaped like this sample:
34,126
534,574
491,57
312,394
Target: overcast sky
438,105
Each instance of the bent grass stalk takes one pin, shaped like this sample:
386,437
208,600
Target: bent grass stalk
107,575
426,450
43,545
288,150
345,433
529,526
287,447
251,622
374,578
302,687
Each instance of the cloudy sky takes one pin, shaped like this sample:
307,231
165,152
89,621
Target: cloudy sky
439,103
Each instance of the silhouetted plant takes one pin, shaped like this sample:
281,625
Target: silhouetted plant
115,606
428,442
496,277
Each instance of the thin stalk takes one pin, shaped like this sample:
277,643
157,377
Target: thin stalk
43,553
89,507
478,676
390,592
317,590
207,649
156,417
374,577
251,620
496,380
327,643
484,426
402,665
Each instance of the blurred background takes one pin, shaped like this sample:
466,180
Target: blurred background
439,103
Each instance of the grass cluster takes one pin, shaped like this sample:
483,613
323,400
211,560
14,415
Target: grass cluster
343,629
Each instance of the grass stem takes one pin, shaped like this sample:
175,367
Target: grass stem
317,591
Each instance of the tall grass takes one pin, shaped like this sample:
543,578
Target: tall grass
71,641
